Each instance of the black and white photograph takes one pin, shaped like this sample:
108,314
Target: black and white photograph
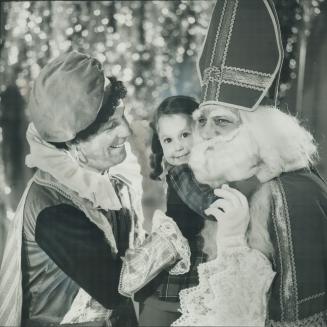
163,163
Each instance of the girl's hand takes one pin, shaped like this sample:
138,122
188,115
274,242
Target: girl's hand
231,211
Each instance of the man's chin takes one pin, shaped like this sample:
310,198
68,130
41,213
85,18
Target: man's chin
116,159
122,156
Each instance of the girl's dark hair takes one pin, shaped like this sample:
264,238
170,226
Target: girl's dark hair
178,104
117,91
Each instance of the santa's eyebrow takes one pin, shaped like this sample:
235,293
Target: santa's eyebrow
186,129
223,114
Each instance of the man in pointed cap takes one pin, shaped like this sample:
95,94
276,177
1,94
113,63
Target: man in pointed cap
81,210
266,154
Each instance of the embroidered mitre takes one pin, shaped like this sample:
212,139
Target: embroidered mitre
242,54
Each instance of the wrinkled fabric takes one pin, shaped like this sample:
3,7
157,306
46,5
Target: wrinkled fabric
66,96
165,247
232,291
65,168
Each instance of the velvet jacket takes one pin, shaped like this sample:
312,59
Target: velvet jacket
64,250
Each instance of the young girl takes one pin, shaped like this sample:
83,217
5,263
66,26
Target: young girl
214,247
172,138
160,299
171,145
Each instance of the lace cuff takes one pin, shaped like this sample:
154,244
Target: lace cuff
160,250
232,291
166,227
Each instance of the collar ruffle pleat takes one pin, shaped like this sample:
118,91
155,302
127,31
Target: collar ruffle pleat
60,164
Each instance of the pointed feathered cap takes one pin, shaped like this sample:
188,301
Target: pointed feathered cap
242,54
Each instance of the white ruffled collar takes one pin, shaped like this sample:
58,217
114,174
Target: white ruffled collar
88,183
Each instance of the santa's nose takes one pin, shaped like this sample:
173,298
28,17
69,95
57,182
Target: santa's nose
207,132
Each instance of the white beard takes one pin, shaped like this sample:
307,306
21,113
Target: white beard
225,159
267,143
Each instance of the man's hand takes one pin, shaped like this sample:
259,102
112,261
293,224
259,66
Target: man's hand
231,211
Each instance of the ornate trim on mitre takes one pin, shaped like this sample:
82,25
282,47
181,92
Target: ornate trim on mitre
237,76
219,74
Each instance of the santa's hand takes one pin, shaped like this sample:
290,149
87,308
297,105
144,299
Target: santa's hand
231,211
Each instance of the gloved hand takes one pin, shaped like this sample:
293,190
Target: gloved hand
231,211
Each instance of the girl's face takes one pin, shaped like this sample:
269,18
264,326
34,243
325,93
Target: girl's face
175,135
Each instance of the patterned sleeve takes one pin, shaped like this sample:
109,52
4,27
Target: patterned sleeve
164,248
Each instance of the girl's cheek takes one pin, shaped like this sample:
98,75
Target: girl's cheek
166,151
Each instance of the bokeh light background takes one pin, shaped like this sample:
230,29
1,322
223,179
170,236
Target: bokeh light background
150,45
